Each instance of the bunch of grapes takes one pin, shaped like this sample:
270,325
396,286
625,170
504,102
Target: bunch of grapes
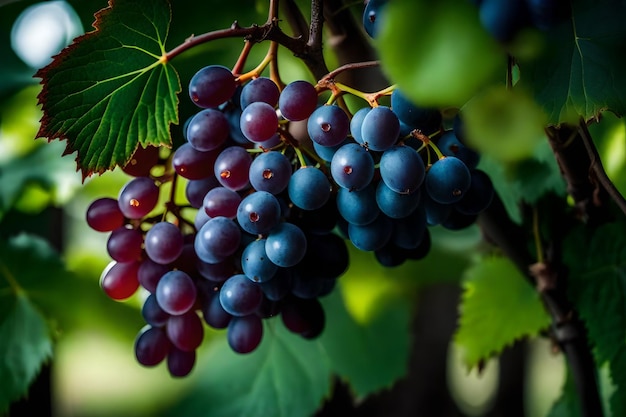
272,214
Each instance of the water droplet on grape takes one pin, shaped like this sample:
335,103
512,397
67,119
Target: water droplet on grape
225,174
347,169
254,217
325,127
267,174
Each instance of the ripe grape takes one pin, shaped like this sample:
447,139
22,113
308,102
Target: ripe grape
176,292
260,89
308,188
212,86
447,180
328,125
138,197
208,130
245,333
240,296
104,215
164,242
297,100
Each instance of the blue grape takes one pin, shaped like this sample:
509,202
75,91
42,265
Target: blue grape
450,145
286,245
356,122
372,236
352,167
270,171
327,152
372,16
503,18
258,212
308,188
328,125
380,128
240,296
447,180
425,119
396,205
359,206
152,312
479,195
402,169
255,263
409,231
214,314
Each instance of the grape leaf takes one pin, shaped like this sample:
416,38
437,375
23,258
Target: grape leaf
597,286
112,88
498,306
290,376
580,70
25,336
437,52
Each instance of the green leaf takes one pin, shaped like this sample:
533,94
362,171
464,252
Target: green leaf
437,52
290,376
286,376
369,355
597,286
498,306
504,124
112,89
580,71
568,404
42,166
28,268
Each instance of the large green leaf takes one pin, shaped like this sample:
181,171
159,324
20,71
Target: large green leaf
498,306
288,376
28,269
597,286
112,89
581,70
437,51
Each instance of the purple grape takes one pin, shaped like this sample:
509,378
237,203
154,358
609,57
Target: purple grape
104,215
180,362
151,346
142,161
152,312
190,163
185,331
217,272
208,130
260,89
195,190
220,237
245,333
259,122
304,316
124,244
297,100
138,197
221,201
212,86
214,314
232,168
164,242
119,280
149,273
176,293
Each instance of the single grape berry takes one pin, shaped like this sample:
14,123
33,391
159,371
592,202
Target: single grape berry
104,215
297,100
447,180
212,86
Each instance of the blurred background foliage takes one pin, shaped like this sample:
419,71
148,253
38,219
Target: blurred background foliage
93,370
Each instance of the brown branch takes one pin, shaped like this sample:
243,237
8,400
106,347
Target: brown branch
598,169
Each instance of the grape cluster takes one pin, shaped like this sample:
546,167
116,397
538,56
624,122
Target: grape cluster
272,214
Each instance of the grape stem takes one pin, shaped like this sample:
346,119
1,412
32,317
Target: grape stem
243,56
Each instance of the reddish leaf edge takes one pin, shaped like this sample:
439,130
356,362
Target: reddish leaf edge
42,98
